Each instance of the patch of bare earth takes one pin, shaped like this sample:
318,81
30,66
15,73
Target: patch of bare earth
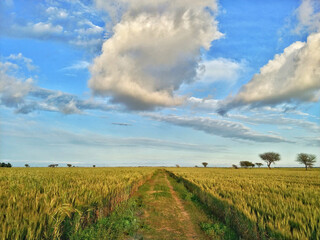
189,229
165,216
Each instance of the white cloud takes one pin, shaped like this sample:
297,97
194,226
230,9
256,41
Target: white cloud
25,97
27,61
308,15
155,48
79,65
12,90
221,69
71,22
222,128
55,12
291,76
279,120
42,28
203,104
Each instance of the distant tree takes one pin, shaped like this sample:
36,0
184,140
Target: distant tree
93,165
53,165
259,164
196,166
234,166
307,159
3,164
205,164
69,165
270,157
177,165
26,165
246,164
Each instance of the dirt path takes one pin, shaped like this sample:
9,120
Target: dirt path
164,214
185,217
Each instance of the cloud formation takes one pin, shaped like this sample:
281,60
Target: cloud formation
154,49
25,97
221,70
308,16
292,76
72,22
222,128
279,120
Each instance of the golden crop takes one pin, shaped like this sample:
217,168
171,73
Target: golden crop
36,203
260,203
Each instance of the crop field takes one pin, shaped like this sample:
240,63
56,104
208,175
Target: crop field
68,203
48,203
260,203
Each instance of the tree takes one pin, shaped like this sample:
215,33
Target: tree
26,165
307,159
93,165
234,166
69,165
53,165
3,164
205,164
259,164
177,165
246,164
196,166
270,157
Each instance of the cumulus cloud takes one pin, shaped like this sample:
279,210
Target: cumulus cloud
154,49
222,128
292,76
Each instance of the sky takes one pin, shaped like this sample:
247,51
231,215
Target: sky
158,83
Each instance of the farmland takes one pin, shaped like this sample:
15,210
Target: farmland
75,203
46,203
260,203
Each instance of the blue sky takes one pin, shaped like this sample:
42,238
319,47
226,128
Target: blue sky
135,83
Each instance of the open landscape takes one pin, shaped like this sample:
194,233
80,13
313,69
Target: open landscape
157,203
160,120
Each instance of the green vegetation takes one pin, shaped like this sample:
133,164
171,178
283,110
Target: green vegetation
246,164
205,164
270,157
7,165
307,159
258,203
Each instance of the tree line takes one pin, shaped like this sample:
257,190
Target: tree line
3,164
271,158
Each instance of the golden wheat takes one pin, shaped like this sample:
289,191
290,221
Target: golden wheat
36,203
